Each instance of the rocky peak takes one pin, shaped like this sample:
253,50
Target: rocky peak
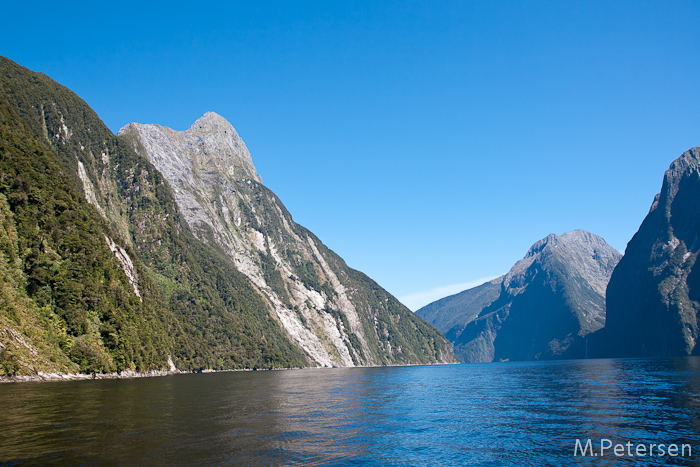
549,302
212,121
538,246
580,252
328,310
212,146
687,165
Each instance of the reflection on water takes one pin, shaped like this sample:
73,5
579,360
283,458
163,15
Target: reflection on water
484,414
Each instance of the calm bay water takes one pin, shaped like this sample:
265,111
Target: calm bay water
482,414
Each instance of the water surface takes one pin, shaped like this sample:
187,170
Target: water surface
477,414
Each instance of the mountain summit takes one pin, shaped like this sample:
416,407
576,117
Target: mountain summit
210,145
548,302
336,315
110,265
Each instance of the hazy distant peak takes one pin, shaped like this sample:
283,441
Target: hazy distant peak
543,308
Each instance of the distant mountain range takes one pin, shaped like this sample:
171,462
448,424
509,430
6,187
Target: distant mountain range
161,250
458,310
158,249
542,309
574,297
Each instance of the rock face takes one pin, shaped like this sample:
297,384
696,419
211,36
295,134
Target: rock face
335,314
106,274
653,295
103,273
548,303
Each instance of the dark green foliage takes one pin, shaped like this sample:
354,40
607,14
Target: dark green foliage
411,339
196,306
67,263
273,278
8,363
401,336
225,322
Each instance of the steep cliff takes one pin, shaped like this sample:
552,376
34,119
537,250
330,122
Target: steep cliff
337,315
653,296
102,272
67,303
179,300
549,302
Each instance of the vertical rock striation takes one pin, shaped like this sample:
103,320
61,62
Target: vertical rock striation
338,316
103,272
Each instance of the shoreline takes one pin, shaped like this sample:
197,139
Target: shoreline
47,377
130,374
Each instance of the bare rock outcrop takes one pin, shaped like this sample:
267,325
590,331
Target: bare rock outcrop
338,316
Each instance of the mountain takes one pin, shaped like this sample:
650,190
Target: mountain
653,295
337,315
114,279
548,303
458,310
101,271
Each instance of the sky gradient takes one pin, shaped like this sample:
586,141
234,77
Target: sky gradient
429,145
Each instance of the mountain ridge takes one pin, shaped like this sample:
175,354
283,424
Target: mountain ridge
548,302
197,310
320,302
459,309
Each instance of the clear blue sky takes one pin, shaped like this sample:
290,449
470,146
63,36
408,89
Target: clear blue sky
428,144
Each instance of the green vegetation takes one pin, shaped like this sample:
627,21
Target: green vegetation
66,303
66,292
400,337
55,254
273,278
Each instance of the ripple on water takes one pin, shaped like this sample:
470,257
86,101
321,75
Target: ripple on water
481,414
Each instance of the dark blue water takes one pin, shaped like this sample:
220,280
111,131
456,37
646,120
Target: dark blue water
481,414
